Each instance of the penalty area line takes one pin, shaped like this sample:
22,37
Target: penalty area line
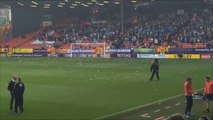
141,106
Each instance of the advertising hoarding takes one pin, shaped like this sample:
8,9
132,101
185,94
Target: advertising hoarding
205,56
21,50
144,50
151,56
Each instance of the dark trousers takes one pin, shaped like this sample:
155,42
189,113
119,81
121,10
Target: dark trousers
189,103
154,73
19,103
12,97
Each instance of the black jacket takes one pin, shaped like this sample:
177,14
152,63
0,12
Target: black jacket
11,85
155,67
19,88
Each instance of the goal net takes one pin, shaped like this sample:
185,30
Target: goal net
88,50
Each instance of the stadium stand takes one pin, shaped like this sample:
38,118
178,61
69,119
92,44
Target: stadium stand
191,30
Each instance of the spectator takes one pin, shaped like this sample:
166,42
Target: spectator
175,117
203,117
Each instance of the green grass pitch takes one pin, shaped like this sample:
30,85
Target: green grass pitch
67,88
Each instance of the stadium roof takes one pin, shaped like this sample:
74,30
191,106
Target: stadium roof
78,3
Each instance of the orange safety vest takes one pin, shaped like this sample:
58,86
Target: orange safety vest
208,87
188,89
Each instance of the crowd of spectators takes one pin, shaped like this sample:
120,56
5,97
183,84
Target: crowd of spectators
169,29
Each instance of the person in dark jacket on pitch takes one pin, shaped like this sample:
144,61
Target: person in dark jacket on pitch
19,92
10,87
155,69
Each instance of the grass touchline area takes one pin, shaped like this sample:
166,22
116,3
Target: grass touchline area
67,88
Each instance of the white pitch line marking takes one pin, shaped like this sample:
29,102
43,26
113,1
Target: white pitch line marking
157,111
141,106
168,107
177,104
146,115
